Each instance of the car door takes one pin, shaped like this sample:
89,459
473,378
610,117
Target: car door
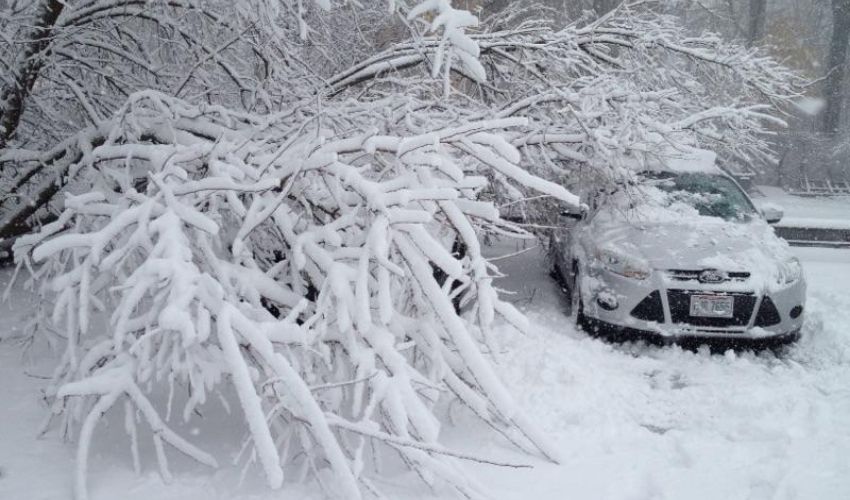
563,238
581,237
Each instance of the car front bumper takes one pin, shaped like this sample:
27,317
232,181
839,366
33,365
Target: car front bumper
717,343
665,321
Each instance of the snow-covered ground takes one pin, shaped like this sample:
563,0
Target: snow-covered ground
631,421
638,422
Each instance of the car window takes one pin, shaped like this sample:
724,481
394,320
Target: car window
712,195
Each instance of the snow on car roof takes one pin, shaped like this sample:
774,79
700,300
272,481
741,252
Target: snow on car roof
693,161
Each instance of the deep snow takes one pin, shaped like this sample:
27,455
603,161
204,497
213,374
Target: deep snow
642,422
631,421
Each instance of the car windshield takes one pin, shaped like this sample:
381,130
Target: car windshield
712,195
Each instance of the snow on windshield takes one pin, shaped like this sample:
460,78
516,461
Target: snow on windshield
710,195
670,197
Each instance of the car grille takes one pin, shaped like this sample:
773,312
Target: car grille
767,315
680,309
650,308
693,275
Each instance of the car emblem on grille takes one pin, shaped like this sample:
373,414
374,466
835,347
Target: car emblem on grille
712,276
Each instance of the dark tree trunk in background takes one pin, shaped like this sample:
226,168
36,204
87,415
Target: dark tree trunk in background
26,67
604,6
493,6
758,20
836,66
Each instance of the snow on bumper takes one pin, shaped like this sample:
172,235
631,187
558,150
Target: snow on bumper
660,305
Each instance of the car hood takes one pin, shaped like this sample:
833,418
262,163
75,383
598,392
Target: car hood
697,244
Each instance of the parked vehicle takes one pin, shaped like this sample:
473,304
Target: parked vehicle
680,254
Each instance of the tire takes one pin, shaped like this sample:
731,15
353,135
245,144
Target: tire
552,256
576,303
556,275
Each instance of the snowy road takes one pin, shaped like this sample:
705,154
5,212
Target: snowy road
632,422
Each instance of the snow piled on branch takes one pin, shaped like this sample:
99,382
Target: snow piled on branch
455,42
317,273
634,80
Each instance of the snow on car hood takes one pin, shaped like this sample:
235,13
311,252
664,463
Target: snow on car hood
684,240
715,243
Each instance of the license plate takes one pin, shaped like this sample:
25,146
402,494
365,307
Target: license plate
711,306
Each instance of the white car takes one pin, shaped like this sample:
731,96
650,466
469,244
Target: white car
682,254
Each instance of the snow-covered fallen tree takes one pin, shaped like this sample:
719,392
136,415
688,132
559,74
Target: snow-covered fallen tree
594,90
310,269
319,260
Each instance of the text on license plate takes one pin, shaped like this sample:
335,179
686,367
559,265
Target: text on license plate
712,306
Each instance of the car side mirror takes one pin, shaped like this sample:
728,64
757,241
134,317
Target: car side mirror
772,213
575,215
572,215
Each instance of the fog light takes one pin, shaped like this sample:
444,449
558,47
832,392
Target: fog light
796,311
607,301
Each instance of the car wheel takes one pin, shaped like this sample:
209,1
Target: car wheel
552,256
556,274
576,304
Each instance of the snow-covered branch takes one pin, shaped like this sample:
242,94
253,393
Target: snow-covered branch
274,263
605,81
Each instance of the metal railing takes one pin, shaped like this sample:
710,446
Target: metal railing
822,188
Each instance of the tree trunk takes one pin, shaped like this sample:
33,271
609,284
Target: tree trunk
26,67
602,7
758,19
836,66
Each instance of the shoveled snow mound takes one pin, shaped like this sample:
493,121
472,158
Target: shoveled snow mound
632,422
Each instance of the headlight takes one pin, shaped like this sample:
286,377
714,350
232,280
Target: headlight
622,264
789,271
